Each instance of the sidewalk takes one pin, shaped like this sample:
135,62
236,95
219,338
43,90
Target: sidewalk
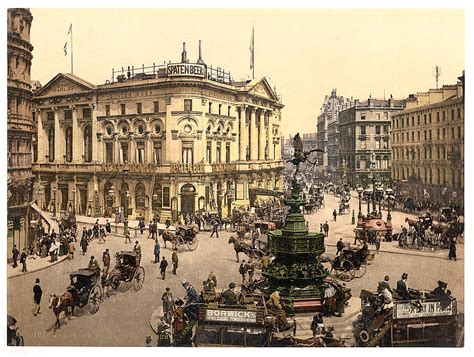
32,265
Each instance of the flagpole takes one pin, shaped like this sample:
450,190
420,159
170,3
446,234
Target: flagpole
253,52
72,55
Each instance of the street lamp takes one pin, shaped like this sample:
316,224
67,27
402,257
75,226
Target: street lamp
380,193
390,197
125,220
155,204
74,190
359,192
54,201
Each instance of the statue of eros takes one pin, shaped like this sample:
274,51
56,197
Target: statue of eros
300,155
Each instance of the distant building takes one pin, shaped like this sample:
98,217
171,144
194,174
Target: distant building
428,141
19,127
364,131
310,141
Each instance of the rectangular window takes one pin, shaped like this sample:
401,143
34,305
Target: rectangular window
377,144
413,121
187,153
227,151
429,118
459,113
228,111
377,129
444,133
207,194
378,116
362,130
459,132
86,113
362,144
429,134
444,115
139,108
123,152
424,118
362,164
385,115
220,107
158,156
109,152
156,107
122,109
418,119
50,115
107,110
452,114
385,144
140,153
209,152
188,105
210,107
452,133
165,196
437,117
218,152
412,136
362,116
424,134
68,114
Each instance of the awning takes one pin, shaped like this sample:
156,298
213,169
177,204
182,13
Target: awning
45,216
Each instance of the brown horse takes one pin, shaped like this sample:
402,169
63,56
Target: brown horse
60,304
411,222
168,236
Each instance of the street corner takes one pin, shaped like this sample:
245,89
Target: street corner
33,266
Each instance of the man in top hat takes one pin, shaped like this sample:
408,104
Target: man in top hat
440,291
402,287
228,297
37,293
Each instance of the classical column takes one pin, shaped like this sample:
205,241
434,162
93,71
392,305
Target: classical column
243,133
41,137
270,137
253,135
261,148
148,149
58,153
97,150
77,144
116,149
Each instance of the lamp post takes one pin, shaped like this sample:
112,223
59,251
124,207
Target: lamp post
368,193
390,197
54,201
359,192
74,190
155,202
110,197
380,193
125,220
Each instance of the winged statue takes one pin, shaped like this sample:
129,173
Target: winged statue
300,155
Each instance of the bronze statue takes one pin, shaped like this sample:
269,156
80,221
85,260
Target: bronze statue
300,155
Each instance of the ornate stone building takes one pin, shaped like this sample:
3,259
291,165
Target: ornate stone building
428,140
364,132
172,138
20,126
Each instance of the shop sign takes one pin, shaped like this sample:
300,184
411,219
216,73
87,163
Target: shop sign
423,309
185,69
221,315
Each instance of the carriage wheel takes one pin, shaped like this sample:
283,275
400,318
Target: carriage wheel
179,241
95,297
138,278
364,336
344,272
359,272
192,245
114,279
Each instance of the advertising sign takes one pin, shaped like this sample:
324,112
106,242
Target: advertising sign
185,69
423,309
221,315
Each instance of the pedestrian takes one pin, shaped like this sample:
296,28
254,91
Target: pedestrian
334,214
37,293
138,251
326,229
163,266
243,270
15,254
174,260
141,225
212,278
107,227
84,245
106,261
339,246
168,305
156,251
250,270
72,249
23,260
127,236
452,249
377,242
95,230
402,287
93,264
102,235
215,225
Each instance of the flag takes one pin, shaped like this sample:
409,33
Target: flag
70,29
65,49
252,49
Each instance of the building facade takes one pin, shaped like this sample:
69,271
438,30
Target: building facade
428,140
364,132
19,126
170,139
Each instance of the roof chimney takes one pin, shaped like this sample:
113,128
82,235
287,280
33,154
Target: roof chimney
200,61
183,54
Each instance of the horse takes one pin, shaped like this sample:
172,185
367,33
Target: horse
168,237
60,304
241,247
411,222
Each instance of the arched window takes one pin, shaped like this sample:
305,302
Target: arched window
140,196
88,144
68,144
51,144
156,198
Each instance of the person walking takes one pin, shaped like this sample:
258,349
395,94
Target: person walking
37,293
452,249
23,260
138,251
156,251
215,225
377,241
15,254
175,261
84,245
163,266
107,227
141,225
339,246
334,214
102,235
326,229
243,270
168,305
106,261
250,270
72,249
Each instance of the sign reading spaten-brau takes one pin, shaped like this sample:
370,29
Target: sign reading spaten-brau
231,315
424,309
185,69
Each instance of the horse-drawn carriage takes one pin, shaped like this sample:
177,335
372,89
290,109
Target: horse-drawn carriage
127,269
86,289
184,236
351,263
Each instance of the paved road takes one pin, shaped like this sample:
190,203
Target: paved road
123,318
